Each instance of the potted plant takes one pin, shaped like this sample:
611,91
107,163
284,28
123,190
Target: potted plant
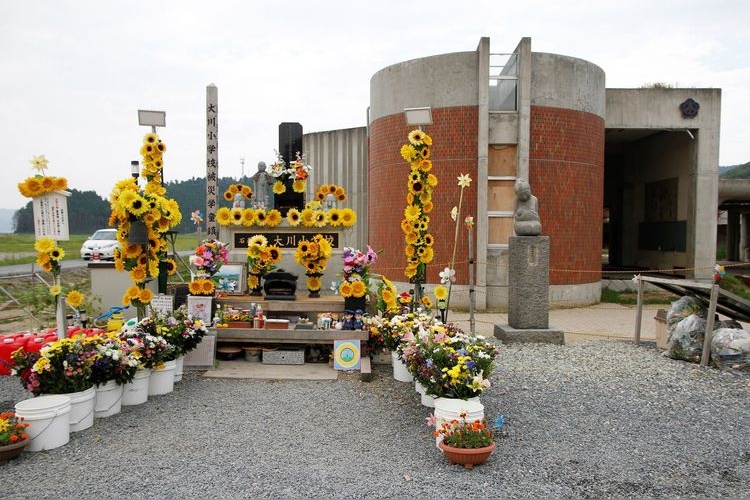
313,255
13,437
464,443
60,367
261,260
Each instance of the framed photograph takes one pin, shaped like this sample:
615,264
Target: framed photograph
231,279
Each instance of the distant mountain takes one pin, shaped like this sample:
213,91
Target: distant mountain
735,171
6,220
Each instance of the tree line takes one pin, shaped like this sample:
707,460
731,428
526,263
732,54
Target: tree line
87,211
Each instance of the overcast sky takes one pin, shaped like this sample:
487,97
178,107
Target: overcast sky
74,73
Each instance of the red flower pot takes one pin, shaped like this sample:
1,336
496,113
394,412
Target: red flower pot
468,457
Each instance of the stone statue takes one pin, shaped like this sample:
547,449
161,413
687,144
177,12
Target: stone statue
262,181
329,202
526,222
239,201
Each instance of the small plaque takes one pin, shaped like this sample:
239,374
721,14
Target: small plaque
346,354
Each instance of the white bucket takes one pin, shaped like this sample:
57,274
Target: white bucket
400,372
447,409
82,409
49,421
108,399
162,379
178,368
135,392
418,387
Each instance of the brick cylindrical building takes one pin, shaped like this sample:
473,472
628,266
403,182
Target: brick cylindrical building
540,118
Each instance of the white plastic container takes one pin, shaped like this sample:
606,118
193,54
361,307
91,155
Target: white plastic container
162,379
447,409
49,421
135,392
82,409
178,369
108,400
400,372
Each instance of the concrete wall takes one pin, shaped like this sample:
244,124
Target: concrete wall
567,82
697,161
340,157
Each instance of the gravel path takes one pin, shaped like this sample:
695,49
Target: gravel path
597,419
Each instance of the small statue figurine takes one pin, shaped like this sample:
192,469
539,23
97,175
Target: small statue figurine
526,222
239,201
262,181
329,202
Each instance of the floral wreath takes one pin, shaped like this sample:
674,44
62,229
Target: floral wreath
41,184
325,189
233,189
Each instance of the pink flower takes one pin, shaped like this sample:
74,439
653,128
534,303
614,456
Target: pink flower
431,420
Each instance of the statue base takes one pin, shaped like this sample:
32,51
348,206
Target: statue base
509,335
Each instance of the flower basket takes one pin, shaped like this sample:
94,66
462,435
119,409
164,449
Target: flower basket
468,457
11,451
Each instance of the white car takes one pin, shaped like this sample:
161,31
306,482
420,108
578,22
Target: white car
102,242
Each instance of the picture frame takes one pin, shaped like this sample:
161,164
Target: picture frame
231,279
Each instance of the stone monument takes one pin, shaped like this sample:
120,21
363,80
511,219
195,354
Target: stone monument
528,276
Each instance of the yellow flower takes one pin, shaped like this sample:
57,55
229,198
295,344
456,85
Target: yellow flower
425,165
441,293
248,217
223,216
426,302
55,290
345,289
150,138
412,212
334,217
348,217
246,191
44,245
358,289
194,288
57,254
257,240
427,207
252,281
411,238
145,296
298,186
171,266
431,180
416,137
279,188
426,139
293,217
273,218
275,254
138,274
408,152
235,215
320,218
308,217
313,283
74,299
228,195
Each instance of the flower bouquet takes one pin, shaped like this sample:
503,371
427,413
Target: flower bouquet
313,255
448,362
148,347
112,359
179,328
209,257
356,277
261,260
296,173
12,436
60,367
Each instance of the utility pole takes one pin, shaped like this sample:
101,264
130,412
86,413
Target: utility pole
242,163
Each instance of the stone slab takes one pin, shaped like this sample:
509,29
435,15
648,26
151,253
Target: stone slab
510,335
241,369
528,282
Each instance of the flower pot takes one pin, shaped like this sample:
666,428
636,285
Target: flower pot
400,372
313,294
255,279
10,451
178,368
447,409
353,304
468,457
162,379
108,399
135,392
82,405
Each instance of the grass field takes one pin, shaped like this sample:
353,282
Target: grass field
19,249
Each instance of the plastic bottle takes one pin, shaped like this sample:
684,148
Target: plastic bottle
259,315
7,346
34,344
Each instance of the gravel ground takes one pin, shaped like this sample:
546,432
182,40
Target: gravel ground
597,419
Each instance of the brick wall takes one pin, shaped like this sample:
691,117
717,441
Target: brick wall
454,151
566,170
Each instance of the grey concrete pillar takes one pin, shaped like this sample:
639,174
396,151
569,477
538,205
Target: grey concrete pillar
733,235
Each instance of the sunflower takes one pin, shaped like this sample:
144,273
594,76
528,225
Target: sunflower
409,250
334,217
345,289
411,238
412,212
248,217
194,288
207,287
44,245
55,290
427,207
348,217
340,194
320,195
150,138
293,217
416,187
253,281
426,302
427,255
223,216
320,218
74,299
273,218
308,217
279,188
416,137
425,165
260,217
408,152
432,180
57,254
427,139
440,292
171,266
428,239
257,240
425,152
228,195
246,191
298,186
235,216
359,289
138,274
388,296
274,253
48,184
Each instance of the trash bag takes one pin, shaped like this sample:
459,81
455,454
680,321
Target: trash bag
730,349
685,341
681,309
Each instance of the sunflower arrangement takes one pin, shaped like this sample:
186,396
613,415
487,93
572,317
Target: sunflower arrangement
415,224
356,275
226,216
201,286
325,189
48,255
262,258
233,189
297,172
313,255
130,204
40,183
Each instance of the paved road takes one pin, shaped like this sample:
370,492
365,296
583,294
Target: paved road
17,269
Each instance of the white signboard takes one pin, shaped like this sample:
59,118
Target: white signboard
51,216
162,303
